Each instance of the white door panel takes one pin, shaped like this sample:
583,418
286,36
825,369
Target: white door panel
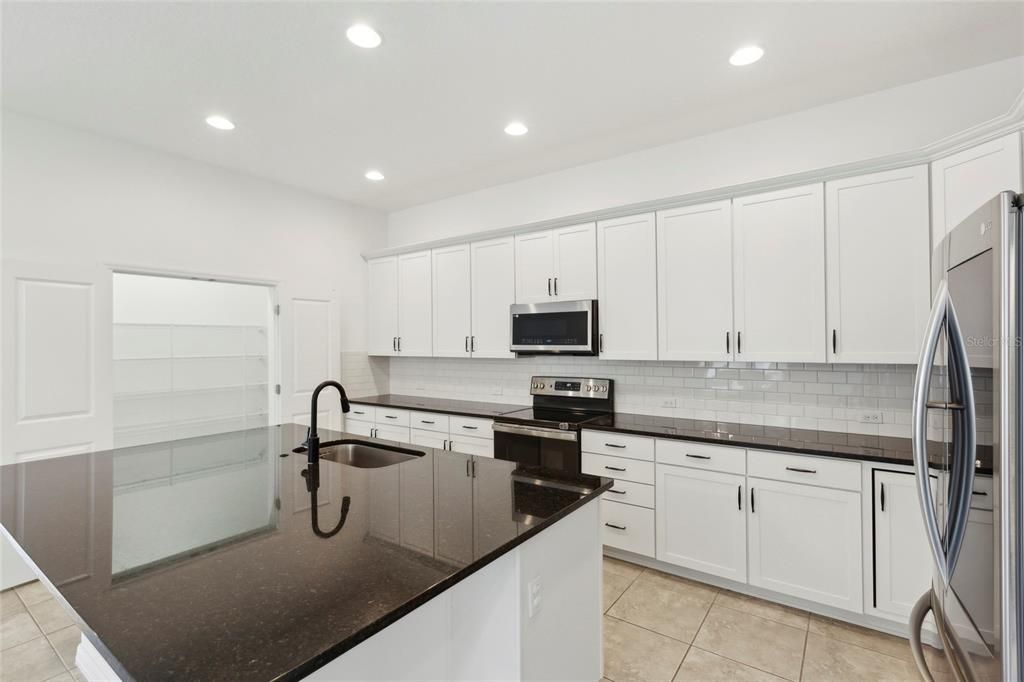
575,262
628,288
494,290
451,298
695,283
414,304
382,306
310,354
535,267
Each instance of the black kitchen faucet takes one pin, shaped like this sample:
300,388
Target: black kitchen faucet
313,439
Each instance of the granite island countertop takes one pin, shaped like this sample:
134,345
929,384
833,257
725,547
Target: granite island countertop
197,559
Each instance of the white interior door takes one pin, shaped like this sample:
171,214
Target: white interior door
414,304
493,291
310,354
382,306
628,288
575,262
535,267
695,283
779,251
57,360
878,266
451,299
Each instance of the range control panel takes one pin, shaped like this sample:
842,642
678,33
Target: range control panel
571,387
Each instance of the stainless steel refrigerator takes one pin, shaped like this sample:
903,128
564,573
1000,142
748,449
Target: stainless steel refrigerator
967,431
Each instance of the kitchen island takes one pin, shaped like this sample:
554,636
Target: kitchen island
230,557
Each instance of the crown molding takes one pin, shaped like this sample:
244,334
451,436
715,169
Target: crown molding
1004,124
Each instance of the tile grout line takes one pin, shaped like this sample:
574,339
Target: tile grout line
646,629
803,655
733,660
696,632
42,633
616,600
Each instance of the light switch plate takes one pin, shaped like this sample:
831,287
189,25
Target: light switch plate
871,417
535,601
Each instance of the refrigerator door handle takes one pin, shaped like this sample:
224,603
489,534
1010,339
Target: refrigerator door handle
917,616
965,440
919,429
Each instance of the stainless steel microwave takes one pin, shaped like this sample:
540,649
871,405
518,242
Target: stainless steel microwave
565,327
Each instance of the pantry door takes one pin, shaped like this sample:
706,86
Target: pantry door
56,352
310,353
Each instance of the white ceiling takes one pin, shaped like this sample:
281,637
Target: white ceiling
428,107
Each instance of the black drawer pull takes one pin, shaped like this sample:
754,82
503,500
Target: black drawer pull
617,492
471,428
697,456
801,470
614,468
612,525
424,421
390,416
615,445
357,412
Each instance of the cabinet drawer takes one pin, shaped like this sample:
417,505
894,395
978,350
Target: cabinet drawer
982,494
627,527
430,421
618,468
395,433
470,445
781,466
392,417
361,413
428,439
628,492
471,426
702,456
618,445
359,428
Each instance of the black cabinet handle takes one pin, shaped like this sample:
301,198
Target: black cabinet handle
556,286
617,492
752,501
833,342
472,344
739,497
979,492
549,286
399,344
600,342
727,342
697,456
394,343
471,428
424,421
390,416
612,525
467,468
613,468
801,470
615,445
882,495
467,344
739,342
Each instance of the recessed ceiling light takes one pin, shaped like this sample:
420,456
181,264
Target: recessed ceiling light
747,54
363,36
516,128
219,122
374,175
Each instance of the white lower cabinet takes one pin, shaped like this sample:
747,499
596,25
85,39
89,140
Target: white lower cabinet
468,435
428,439
805,541
701,523
481,447
627,527
902,560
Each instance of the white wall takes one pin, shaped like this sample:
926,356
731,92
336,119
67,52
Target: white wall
897,120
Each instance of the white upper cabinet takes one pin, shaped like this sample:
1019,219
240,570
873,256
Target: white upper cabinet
382,306
575,263
695,283
779,270
451,295
493,291
627,288
964,181
558,264
878,266
414,309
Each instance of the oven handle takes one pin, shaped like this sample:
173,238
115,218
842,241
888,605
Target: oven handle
538,431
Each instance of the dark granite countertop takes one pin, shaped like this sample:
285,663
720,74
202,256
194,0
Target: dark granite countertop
465,408
197,559
886,449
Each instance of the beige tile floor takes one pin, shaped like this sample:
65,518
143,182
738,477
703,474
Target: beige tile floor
37,637
660,628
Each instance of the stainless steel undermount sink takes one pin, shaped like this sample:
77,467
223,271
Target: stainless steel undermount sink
356,453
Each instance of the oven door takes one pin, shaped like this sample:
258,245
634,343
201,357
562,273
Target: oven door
567,327
550,452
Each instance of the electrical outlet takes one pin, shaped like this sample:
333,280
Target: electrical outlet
670,402
871,417
535,596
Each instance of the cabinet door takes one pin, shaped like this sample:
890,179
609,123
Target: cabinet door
779,252
469,445
806,542
902,560
359,428
964,181
878,266
695,283
575,262
494,290
700,520
628,288
451,298
416,504
382,306
453,508
414,309
428,439
535,267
